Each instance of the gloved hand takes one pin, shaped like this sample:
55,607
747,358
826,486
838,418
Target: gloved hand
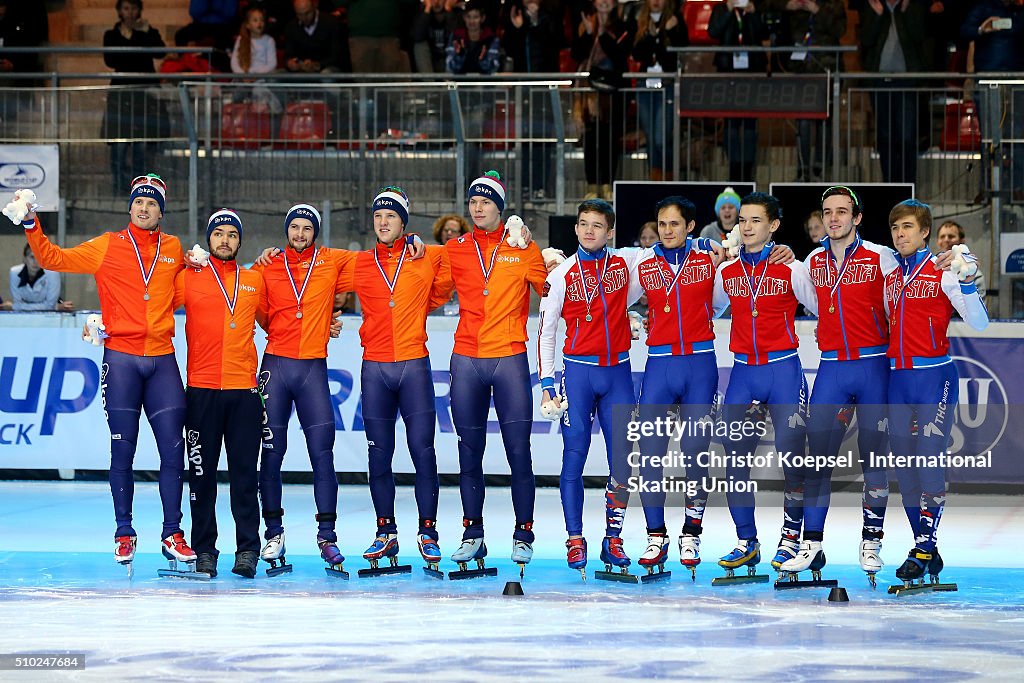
23,204
94,331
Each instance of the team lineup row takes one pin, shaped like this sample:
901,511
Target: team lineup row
883,316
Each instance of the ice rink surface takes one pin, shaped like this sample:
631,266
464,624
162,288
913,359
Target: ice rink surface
61,591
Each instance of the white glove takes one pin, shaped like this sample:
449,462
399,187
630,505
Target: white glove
964,263
199,255
23,203
732,242
95,330
516,228
636,324
553,409
552,257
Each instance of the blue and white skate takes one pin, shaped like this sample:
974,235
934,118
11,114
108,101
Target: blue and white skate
689,553
273,554
871,558
747,553
654,558
614,555
430,551
809,556
472,549
576,555
522,553
787,550
384,546
912,572
333,557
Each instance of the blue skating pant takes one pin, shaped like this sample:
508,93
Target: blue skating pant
131,383
863,383
921,406
474,382
285,382
691,383
595,391
387,389
782,386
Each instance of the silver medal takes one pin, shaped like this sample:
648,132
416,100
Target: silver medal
391,303
145,297
298,314
232,325
486,292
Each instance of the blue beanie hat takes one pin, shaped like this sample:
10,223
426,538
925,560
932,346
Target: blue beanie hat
303,211
151,186
728,196
394,199
221,218
489,186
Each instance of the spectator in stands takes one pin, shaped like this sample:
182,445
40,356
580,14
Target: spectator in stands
314,41
601,46
814,227
893,40
656,27
432,29
1001,49
727,208
131,112
811,23
374,30
255,52
35,289
448,226
213,25
952,233
735,24
474,48
648,235
22,25
278,14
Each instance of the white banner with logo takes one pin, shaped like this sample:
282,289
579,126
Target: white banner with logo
31,167
51,412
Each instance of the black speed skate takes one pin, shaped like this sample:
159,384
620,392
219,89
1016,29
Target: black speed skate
809,556
912,572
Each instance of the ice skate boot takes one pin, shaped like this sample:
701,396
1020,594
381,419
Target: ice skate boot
332,556
471,549
911,573
522,553
653,559
787,550
689,553
273,553
176,550
747,553
934,567
245,564
577,555
871,558
430,551
124,552
809,556
384,546
206,563
614,555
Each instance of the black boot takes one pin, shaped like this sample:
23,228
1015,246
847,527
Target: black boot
914,566
245,564
206,563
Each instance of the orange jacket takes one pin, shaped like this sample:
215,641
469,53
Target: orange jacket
392,334
136,325
220,356
493,325
306,336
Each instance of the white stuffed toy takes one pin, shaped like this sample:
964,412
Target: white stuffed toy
732,242
964,265
552,257
552,410
636,324
24,202
95,330
516,232
199,255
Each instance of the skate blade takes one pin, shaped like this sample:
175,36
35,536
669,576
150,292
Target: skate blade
616,577
183,574
944,587
336,573
736,580
655,577
472,573
385,571
785,584
433,573
913,589
282,569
